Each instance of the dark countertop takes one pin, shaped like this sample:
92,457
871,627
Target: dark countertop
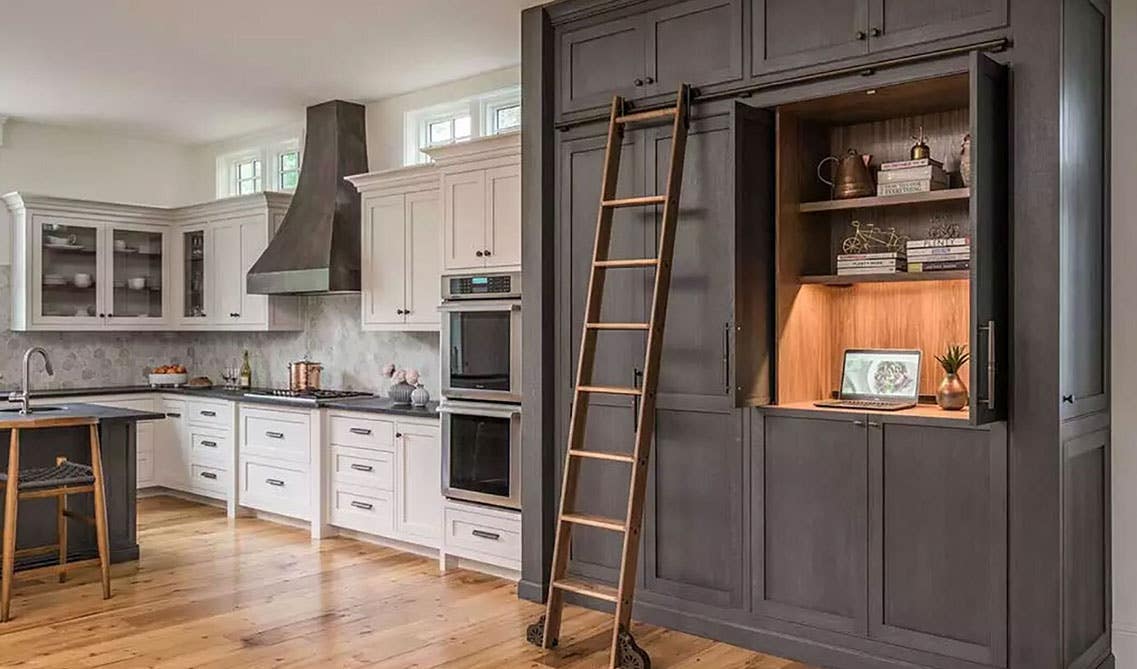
380,405
78,410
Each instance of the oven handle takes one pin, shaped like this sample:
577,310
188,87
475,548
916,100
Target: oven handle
487,305
479,410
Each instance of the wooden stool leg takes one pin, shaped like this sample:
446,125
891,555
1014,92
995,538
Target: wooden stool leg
11,497
100,511
61,528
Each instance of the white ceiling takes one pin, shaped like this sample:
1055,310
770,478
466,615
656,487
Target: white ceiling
202,70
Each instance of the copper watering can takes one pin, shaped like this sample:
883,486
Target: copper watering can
853,177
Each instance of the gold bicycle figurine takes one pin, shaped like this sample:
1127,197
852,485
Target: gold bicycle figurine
866,237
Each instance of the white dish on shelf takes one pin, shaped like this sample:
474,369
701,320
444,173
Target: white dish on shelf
136,283
168,379
65,247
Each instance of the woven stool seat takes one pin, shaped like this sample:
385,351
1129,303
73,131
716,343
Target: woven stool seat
62,475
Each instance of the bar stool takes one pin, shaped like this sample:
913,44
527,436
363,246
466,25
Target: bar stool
65,478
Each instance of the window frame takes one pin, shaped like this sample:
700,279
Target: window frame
482,110
235,178
270,155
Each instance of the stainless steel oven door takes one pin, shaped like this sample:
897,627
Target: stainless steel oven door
481,350
481,452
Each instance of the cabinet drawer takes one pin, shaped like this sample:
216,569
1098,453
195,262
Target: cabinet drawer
373,512
209,414
209,481
206,448
362,468
274,489
276,434
486,532
346,430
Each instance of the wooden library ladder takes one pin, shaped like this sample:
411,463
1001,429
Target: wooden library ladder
544,632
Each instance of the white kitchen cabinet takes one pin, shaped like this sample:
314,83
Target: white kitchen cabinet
481,203
275,455
82,265
171,446
418,481
401,254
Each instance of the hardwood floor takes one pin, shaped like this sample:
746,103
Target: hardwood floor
213,593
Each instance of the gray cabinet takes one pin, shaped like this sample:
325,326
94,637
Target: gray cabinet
649,54
897,23
795,33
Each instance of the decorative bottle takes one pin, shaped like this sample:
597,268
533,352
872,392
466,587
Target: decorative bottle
246,377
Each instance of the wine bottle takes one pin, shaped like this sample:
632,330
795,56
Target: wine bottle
246,378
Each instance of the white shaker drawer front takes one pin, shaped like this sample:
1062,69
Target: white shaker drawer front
362,468
347,430
209,414
210,481
145,465
277,435
274,489
209,448
372,512
485,533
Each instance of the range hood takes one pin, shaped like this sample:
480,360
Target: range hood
316,250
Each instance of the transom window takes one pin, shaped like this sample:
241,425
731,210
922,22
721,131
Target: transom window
288,170
448,130
247,176
478,116
505,118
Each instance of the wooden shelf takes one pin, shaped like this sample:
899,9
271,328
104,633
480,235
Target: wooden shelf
887,201
835,280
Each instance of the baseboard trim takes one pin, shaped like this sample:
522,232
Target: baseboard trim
531,591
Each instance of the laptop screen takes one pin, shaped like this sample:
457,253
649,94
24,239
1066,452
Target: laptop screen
881,374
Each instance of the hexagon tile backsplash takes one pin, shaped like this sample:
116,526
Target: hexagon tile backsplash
352,358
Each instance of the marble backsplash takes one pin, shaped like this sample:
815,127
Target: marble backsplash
352,358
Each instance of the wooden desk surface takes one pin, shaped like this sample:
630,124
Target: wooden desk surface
919,411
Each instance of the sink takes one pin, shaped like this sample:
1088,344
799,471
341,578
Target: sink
32,409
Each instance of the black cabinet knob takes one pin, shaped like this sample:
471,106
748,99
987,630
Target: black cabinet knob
400,312
1067,399
398,435
487,253
861,35
639,82
479,253
875,32
102,315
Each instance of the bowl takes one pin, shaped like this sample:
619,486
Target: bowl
57,241
168,379
137,283
82,280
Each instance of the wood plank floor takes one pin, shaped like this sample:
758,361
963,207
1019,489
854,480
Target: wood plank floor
213,593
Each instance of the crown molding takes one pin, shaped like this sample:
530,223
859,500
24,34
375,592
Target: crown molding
414,177
495,146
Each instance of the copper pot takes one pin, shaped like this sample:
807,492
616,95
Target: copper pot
304,375
853,178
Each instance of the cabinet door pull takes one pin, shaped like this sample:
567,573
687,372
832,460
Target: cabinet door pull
362,468
274,435
859,423
874,424
210,444
481,534
209,414
359,430
276,482
649,80
875,32
398,435
860,34
479,253
726,357
487,253
209,475
639,82
362,505
1067,399
173,415
989,328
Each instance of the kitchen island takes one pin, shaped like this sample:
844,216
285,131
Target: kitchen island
36,524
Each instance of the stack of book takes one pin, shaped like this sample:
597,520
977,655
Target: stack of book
886,262
910,176
936,255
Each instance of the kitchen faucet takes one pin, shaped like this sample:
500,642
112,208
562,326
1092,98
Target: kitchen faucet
22,397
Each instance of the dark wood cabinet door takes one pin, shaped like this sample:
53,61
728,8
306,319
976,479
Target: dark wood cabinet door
610,425
695,364
896,23
693,539
601,60
990,246
938,539
1084,212
1086,543
797,33
698,42
810,520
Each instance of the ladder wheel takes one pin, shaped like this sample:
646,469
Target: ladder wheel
535,634
631,655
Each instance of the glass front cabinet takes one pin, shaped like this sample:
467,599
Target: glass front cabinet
94,274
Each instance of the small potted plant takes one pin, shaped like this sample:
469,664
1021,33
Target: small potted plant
952,394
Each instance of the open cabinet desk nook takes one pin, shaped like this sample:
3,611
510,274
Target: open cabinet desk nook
856,540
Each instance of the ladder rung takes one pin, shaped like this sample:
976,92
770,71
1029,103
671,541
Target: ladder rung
635,201
601,455
609,390
594,590
628,262
636,117
617,326
593,521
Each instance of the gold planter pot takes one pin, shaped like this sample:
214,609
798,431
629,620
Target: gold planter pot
952,394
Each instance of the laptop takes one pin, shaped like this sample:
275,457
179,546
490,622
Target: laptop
878,380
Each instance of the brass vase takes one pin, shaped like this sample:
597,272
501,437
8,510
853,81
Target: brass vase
952,394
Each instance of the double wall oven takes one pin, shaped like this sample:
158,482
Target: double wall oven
481,388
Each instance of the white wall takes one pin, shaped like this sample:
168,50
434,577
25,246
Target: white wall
84,163
203,180
1124,335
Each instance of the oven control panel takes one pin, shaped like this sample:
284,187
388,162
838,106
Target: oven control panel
481,286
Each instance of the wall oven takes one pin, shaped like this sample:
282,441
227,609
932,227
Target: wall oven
481,456
481,337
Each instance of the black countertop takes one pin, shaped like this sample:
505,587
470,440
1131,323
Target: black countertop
380,405
80,410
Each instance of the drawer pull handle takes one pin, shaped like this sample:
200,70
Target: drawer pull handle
481,534
362,468
209,475
360,430
276,482
173,415
211,444
362,505
274,435
209,414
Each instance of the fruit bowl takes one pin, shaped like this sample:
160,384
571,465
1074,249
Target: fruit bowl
168,379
